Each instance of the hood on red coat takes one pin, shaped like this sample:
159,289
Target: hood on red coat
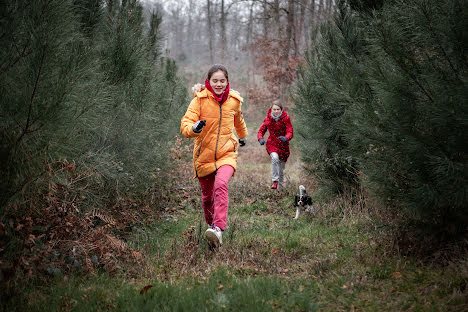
283,115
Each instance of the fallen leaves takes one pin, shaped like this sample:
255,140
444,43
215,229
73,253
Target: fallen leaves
145,289
396,275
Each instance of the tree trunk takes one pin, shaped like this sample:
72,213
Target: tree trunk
320,11
277,19
250,71
222,21
329,8
300,27
188,32
265,19
210,32
285,57
310,23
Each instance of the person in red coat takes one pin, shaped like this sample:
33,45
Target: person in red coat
278,123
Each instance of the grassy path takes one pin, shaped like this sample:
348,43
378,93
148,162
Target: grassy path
269,262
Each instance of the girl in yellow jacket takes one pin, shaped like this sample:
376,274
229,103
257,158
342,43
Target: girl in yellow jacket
211,118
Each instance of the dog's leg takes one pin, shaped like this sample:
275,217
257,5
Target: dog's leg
298,212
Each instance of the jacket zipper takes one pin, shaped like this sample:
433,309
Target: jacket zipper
219,131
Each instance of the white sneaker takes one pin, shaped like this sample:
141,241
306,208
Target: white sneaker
214,235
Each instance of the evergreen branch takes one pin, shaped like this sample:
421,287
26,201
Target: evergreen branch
437,39
14,11
46,111
31,102
172,97
348,43
434,66
83,111
392,54
20,55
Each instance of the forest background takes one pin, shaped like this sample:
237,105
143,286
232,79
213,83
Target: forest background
93,91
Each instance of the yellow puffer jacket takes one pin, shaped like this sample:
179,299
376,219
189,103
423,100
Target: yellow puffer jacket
216,145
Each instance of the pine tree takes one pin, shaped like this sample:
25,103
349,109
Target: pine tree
47,82
85,82
88,112
327,87
414,130
140,122
386,90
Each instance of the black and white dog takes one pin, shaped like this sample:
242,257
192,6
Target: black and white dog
303,202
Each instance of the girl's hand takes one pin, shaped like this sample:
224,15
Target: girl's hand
198,126
261,141
283,138
242,142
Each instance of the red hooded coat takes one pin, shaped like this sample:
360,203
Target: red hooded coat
282,127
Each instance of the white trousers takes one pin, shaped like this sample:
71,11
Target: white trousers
277,169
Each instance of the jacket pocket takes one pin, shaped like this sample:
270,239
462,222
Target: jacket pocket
229,146
197,154
234,143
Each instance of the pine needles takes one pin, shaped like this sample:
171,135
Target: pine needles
381,106
88,112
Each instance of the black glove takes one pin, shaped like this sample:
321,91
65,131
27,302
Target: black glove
283,138
261,141
198,126
242,142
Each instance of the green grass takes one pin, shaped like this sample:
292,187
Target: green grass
268,263
222,290
335,261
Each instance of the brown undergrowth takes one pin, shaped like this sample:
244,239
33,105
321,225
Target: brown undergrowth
58,231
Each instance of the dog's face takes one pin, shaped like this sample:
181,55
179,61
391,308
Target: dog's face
302,199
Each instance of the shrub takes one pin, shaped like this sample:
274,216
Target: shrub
387,91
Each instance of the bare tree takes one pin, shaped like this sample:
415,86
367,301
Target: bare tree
329,7
222,21
320,11
265,18
188,32
259,37
250,71
300,27
285,57
277,18
209,25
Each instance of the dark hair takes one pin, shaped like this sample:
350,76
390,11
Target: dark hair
277,103
216,68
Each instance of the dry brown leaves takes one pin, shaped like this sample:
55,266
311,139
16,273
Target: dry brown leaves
53,236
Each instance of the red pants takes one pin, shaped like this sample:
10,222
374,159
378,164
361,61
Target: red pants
215,197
